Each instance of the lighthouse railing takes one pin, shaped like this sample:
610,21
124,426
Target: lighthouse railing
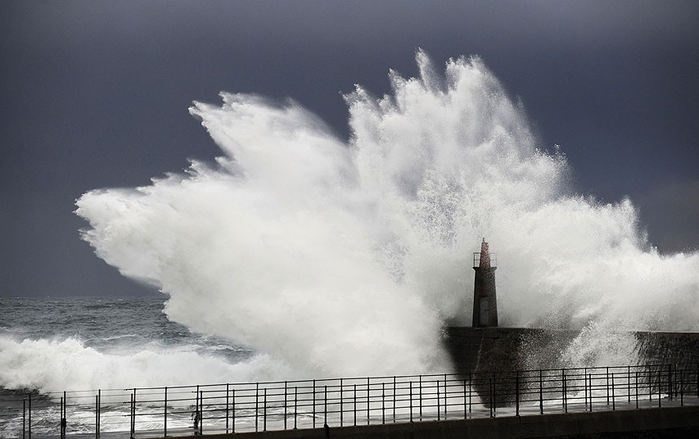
477,260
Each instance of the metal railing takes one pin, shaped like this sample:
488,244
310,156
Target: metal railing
477,260
341,402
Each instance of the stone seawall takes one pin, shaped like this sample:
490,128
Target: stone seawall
509,349
679,348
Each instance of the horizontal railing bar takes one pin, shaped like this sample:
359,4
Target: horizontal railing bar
376,381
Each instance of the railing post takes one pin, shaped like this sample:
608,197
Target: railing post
383,402
257,407
228,392
233,411
394,398
285,391
325,405
660,396
64,422
24,418
133,418
165,413
355,405
607,386
438,408
29,417
342,406
592,396
446,397
470,389
296,405
411,401
264,410
541,391
201,412
613,394
465,407
368,398
669,381
314,403
97,414
420,396
517,393
563,390
132,415
196,411
493,396
585,385
490,388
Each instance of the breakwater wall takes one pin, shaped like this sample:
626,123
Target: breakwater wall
508,349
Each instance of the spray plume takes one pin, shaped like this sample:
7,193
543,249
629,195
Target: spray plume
346,258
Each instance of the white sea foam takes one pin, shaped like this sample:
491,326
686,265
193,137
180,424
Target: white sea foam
60,364
347,258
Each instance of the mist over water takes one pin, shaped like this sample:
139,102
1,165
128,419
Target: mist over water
344,258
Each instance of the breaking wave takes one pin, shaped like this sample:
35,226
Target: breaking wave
348,257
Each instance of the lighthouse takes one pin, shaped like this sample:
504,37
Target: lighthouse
485,304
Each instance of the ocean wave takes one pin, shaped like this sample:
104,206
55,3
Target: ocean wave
347,258
59,364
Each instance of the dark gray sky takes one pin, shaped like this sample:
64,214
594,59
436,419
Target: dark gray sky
95,94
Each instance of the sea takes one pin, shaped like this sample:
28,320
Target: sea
51,345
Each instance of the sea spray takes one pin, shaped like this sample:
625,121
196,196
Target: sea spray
346,258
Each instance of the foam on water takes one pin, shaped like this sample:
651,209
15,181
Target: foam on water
346,258
59,364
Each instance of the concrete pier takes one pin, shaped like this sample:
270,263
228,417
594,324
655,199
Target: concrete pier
509,349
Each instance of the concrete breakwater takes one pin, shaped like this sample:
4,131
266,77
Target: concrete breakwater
501,349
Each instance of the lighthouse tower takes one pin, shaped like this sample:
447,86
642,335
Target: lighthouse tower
485,305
